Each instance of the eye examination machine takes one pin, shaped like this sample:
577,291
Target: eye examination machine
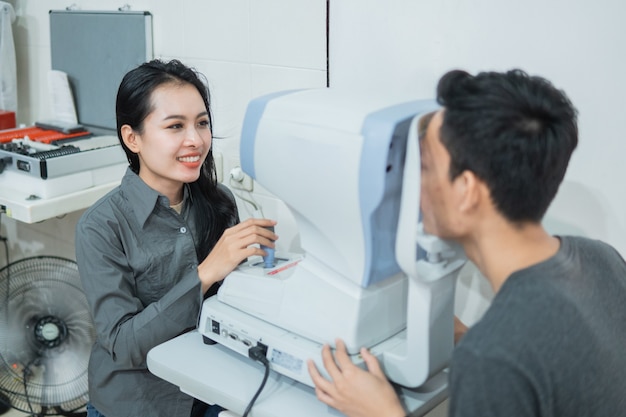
348,169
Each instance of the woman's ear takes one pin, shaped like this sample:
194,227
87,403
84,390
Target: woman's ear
130,138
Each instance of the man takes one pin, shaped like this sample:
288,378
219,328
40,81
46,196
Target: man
553,342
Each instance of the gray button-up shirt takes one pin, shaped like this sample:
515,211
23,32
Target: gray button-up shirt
137,261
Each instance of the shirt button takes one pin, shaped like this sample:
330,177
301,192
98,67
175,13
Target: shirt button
183,229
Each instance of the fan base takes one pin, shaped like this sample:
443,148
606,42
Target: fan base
5,404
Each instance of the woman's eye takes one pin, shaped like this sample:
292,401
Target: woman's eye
203,123
175,126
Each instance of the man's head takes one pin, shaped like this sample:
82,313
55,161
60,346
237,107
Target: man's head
513,132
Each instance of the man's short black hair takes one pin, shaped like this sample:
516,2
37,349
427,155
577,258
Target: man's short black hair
514,131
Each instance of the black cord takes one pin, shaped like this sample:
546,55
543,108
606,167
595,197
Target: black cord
26,372
258,354
8,267
4,240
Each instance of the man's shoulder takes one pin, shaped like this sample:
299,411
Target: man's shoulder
592,260
585,245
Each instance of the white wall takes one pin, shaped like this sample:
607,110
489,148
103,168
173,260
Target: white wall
392,47
402,47
244,47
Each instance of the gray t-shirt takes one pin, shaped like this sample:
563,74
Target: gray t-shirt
137,261
553,342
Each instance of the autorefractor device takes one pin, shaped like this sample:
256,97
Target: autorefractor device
348,168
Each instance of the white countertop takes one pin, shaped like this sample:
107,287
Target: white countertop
217,375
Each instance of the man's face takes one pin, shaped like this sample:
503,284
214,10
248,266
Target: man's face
437,191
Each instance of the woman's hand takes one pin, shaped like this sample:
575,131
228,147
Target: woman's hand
352,390
235,245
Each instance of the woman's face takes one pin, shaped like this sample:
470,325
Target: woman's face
176,138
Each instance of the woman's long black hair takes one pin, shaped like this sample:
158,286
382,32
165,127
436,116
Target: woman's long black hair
134,104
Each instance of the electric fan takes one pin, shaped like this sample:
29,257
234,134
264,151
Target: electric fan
46,334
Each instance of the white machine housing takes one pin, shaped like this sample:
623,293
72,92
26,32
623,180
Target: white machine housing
339,162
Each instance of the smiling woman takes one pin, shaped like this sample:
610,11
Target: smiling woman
153,248
174,140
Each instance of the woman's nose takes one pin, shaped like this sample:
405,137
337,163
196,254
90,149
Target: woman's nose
194,137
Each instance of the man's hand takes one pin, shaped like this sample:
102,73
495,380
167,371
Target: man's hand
459,330
352,390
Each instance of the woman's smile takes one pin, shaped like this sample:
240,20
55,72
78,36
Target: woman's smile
191,161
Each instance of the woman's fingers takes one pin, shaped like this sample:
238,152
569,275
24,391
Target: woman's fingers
251,231
235,245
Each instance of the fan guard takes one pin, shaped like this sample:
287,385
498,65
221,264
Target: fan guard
46,335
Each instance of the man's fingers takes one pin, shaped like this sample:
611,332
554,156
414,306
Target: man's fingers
372,363
341,354
324,397
321,383
329,363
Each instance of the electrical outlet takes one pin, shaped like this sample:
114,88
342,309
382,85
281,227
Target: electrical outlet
239,180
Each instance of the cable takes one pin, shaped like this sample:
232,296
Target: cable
5,305
3,238
8,266
258,354
26,372
249,201
238,176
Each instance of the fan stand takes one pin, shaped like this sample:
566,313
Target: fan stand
5,404
56,411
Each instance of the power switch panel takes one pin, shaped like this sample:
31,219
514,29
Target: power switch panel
215,326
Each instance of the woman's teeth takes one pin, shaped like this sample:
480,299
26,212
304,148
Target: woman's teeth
188,158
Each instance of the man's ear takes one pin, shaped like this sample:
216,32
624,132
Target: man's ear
469,190
130,138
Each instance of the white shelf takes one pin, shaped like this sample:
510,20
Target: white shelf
21,206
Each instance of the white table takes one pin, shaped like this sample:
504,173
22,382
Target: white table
217,375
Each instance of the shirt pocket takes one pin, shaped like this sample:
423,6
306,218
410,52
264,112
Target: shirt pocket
156,270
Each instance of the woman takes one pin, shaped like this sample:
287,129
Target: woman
154,247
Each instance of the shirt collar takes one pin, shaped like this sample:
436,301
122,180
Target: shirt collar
144,199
